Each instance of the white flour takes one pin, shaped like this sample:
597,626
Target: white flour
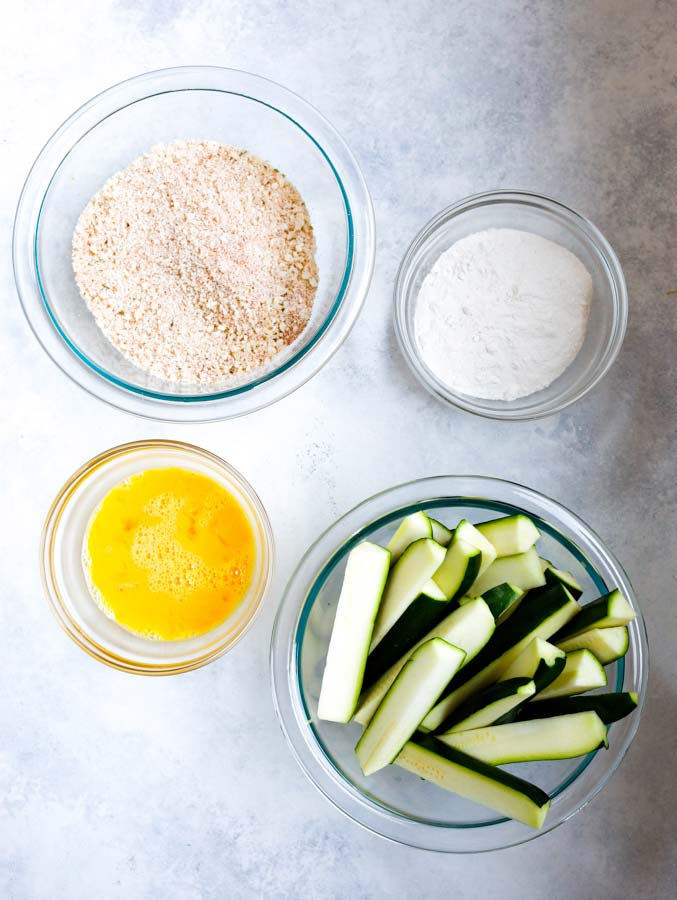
502,313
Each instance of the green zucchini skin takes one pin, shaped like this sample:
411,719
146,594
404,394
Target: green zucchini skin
500,598
597,615
609,707
504,784
468,627
546,673
582,672
416,621
406,580
470,575
533,618
413,692
536,606
543,677
553,576
499,691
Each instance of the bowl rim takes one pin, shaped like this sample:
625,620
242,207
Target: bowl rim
308,358
53,593
282,653
586,230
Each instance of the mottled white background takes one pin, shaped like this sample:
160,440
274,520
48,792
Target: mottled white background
116,786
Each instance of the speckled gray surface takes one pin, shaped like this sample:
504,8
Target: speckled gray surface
114,786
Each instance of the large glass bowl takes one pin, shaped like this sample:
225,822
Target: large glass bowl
551,219
197,103
393,803
66,586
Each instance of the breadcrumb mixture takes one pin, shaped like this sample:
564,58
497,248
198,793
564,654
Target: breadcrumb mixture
197,261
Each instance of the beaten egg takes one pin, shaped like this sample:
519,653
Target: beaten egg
169,554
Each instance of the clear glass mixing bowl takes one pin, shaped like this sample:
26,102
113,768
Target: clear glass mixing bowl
526,211
197,103
393,803
64,580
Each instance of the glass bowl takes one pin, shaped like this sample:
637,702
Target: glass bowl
393,803
550,219
196,103
64,580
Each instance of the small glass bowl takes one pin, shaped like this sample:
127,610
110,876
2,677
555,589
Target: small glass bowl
64,580
393,803
550,219
127,120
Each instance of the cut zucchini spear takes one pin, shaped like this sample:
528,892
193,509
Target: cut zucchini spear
609,707
523,570
407,577
608,644
605,612
509,795
510,535
559,737
363,583
490,705
427,610
468,533
553,575
412,528
541,661
468,628
538,615
459,568
441,533
421,681
582,672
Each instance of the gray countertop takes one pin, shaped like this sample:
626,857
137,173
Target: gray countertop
118,786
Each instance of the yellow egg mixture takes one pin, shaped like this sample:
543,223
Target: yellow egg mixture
169,554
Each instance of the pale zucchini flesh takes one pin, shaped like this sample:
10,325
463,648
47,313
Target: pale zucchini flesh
608,644
523,570
459,568
538,615
454,771
468,533
582,672
426,611
558,737
405,581
541,661
606,612
411,528
490,705
470,627
510,535
418,685
441,533
363,583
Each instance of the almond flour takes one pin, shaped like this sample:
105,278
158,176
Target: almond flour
197,262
